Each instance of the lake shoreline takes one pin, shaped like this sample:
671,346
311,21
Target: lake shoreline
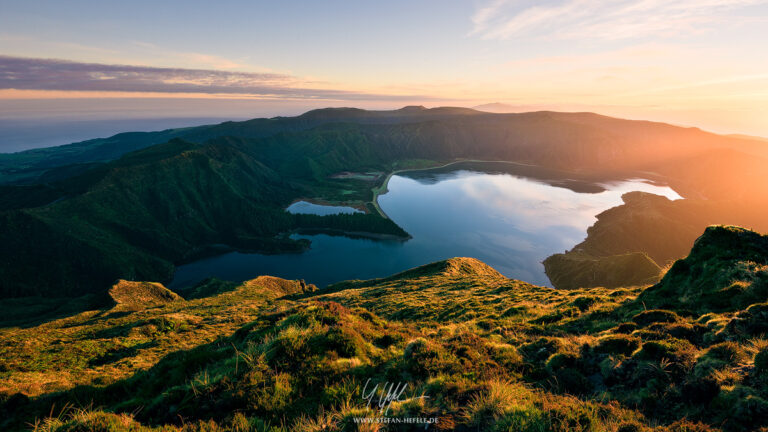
352,234
357,205
598,178
547,184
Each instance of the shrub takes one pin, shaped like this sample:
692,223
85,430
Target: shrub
571,416
629,427
655,316
540,350
617,344
626,328
486,324
507,356
487,407
688,426
514,311
759,311
751,412
556,316
761,362
271,395
705,366
528,418
561,360
388,340
572,381
424,359
343,341
690,332
700,390
415,347
288,347
728,352
96,421
336,394
675,350
584,302
647,335
752,321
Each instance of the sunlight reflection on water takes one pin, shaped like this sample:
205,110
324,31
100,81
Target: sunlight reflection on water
508,221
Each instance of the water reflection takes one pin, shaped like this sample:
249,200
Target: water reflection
510,216
304,207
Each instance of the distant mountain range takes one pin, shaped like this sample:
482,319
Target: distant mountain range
496,107
749,137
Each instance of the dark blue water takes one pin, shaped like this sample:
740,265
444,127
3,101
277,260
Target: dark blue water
511,222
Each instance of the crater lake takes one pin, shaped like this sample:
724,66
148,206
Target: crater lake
509,216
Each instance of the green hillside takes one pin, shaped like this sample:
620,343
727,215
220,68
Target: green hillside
81,219
648,230
726,271
134,217
582,130
489,353
57,162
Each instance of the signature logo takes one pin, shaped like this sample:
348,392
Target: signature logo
383,395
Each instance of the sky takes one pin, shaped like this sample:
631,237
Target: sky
690,62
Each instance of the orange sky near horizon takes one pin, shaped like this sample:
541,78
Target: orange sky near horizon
690,63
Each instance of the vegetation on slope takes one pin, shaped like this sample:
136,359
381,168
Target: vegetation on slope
489,352
139,295
627,242
527,129
102,346
727,270
139,215
577,269
82,219
48,164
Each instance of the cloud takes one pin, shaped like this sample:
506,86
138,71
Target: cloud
601,19
21,73
187,59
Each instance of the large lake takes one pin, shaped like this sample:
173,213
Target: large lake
510,216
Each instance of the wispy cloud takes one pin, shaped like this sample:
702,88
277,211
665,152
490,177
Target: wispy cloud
21,73
188,59
602,19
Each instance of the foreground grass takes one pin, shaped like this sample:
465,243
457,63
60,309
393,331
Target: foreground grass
102,346
476,351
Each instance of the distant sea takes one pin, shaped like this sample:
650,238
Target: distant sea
23,134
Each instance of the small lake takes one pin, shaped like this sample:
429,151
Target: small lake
510,216
304,207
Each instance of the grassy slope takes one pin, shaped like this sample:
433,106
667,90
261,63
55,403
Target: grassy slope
492,354
105,345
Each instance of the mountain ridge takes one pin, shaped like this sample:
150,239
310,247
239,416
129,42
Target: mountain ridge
105,149
140,215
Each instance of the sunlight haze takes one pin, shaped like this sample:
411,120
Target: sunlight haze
693,63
